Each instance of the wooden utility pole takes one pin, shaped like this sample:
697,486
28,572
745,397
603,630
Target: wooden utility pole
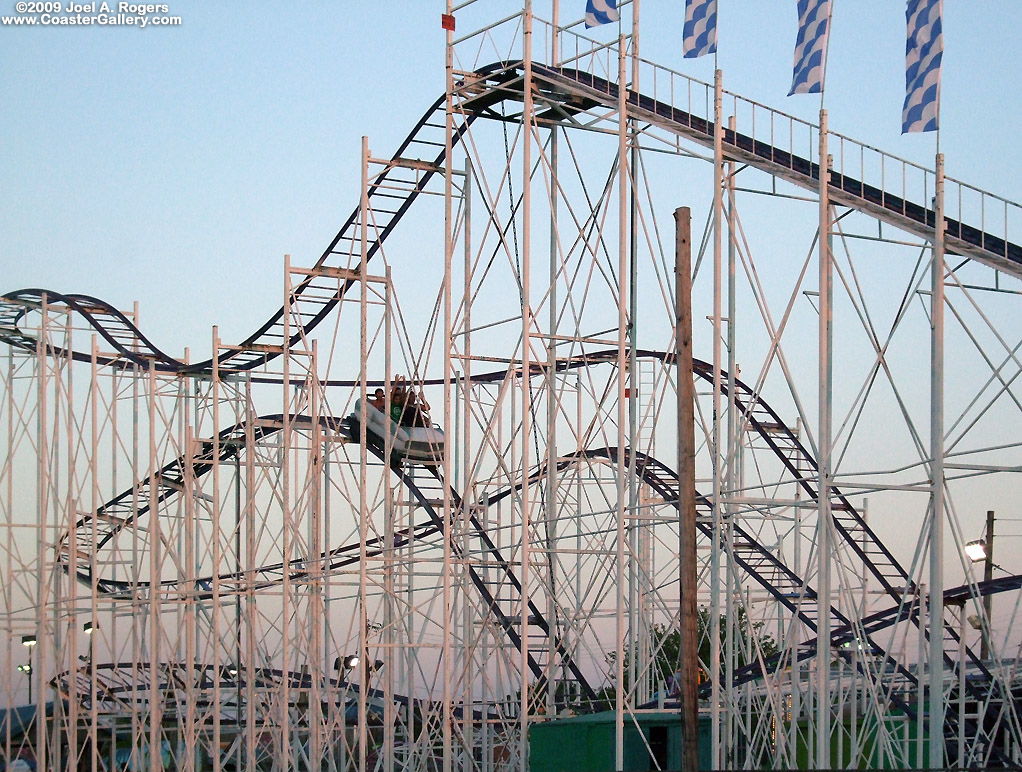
988,575
689,642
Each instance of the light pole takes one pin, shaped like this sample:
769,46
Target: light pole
983,549
89,628
346,663
27,670
29,641
351,662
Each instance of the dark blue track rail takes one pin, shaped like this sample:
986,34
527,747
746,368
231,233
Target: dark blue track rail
873,623
764,155
755,559
133,349
571,91
118,683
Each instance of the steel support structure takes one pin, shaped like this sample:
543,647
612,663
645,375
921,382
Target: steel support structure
229,531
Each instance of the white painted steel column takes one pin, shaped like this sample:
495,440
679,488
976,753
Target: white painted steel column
622,415
526,418
722,740
447,651
251,613
6,592
362,617
190,574
287,534
936,604
239,414
826,394
216,555
639,624
315,655
551,513
961,685
392,563
716,587
64,585
136,599
473,665
43,501
96,500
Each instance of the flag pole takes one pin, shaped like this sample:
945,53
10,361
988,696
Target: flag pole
936,599
826,52
718,212
826,407
824,470
924,51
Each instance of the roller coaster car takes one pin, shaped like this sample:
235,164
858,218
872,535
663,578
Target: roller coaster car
412,437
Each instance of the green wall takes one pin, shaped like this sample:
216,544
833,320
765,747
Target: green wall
906,748
586,743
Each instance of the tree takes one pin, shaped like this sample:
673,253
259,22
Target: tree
665,647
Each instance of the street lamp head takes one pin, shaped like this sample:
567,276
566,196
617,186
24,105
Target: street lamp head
351,661
28,640
976,550
88,628
24,668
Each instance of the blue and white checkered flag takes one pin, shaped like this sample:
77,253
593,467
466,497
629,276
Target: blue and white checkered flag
923,51
811,47
601,12
700,35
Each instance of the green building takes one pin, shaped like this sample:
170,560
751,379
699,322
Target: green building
586,743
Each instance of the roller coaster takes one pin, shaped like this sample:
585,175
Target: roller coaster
222,534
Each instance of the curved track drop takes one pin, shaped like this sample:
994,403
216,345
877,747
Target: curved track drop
573,91
786,586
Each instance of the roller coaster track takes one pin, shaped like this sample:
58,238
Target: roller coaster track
567,92
873,623
133,503
785,585
759,562
571,91
77,548
119,513
507,622
799,462
119,684
794,593
761,418
390,195
999,710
